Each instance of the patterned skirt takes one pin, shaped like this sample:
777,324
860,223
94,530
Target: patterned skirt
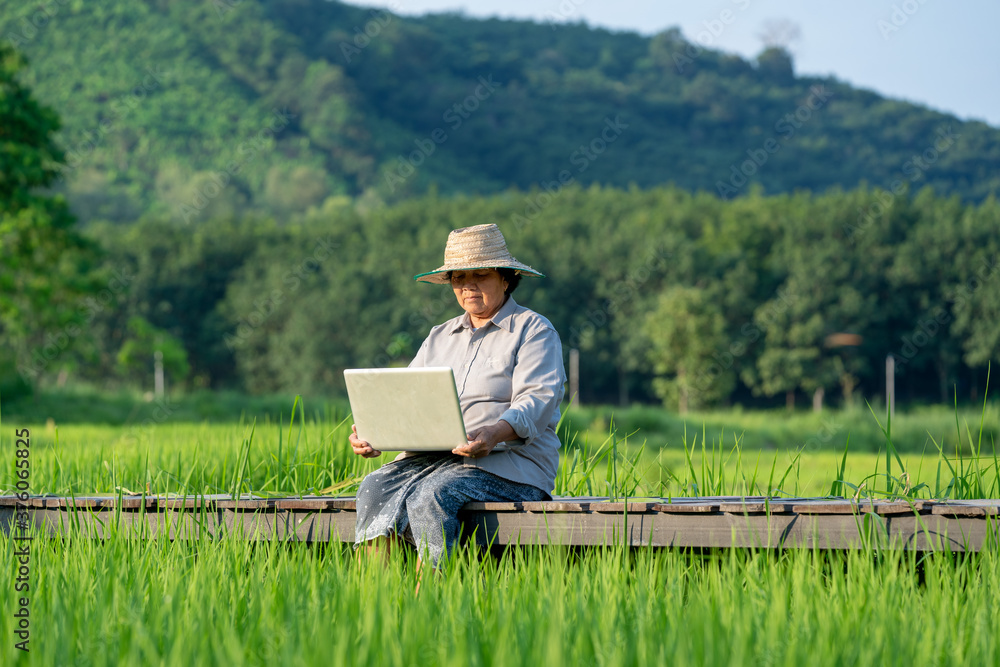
418,498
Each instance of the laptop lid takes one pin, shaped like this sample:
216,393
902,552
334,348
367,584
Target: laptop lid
414,409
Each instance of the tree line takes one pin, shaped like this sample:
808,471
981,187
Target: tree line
669,296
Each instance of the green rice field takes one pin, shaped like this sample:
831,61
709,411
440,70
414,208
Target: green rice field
123,601
309,454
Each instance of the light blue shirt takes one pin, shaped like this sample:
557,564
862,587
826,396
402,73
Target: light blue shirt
511,368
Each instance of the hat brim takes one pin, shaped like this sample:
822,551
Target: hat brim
438,276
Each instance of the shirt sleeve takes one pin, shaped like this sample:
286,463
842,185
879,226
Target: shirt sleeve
537,384
419,360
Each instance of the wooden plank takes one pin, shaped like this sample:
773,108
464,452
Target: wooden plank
550,506
881,507
689,501
106,502
181,524
829,531
964,509
190,502
290,525
658,530
102,524
86,502
772,507
317,503
934,532
826,507
938,530
621,508
558,528
731,504
733,499
686,507
889,507
581,499
492,507
993,502
102,501
246,504
41,502
320,527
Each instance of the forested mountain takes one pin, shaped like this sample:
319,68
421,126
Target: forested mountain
195,109
738,271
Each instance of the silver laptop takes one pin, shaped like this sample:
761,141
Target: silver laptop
413,409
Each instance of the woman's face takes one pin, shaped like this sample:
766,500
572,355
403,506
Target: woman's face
480,292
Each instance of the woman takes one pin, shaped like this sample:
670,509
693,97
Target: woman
508,368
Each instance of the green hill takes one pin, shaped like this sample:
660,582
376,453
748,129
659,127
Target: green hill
195,110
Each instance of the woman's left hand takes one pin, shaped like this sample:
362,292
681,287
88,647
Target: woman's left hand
483,441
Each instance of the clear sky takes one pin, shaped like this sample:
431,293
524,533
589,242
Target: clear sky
945,55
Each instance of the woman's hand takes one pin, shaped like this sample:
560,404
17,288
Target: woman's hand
360,447
483,441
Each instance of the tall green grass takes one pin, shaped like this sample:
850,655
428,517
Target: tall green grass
708,463
914,429
125,601
294,456
303,454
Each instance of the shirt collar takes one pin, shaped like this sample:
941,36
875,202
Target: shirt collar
503,318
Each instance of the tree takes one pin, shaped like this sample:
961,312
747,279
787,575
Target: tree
686,331
137,354
924,282
779,34
776,65
975,297
44,262
836,284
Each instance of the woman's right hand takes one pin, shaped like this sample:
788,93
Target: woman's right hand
360,447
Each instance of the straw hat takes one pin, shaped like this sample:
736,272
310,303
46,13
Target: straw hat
479,247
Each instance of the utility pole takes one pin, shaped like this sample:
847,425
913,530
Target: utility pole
158,374
890,383
574,375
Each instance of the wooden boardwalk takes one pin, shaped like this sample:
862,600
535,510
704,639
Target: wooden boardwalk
967,525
